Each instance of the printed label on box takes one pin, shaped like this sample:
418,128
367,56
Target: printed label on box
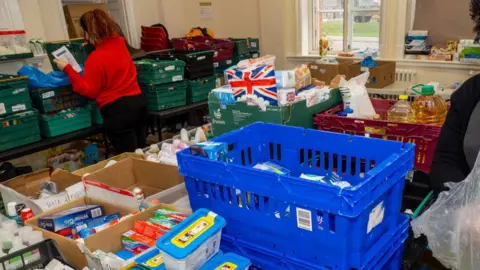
19,107
2,108
19,90
304,219
215,64
201,58
376,217
253,44
170,68
48,94
177,78
51,202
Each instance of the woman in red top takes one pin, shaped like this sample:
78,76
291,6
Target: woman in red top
110,77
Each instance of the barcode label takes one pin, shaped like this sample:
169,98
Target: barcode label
255,55
170,68
177,78
253,44
201,58
96,212
215,64
48,94
19,107
2,108
304,219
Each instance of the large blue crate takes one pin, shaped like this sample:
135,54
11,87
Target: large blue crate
385,254
261,207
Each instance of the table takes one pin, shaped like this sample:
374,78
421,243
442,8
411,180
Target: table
162,115
52,142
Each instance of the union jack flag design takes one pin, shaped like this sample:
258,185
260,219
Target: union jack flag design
259,80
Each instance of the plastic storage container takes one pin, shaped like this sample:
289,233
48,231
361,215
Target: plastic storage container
198,64
402,111
7,43
20,42
47,250
227,261
223,47
193,242
429,108
199,89
19,129
241,46
425,137
159,71
332,227
165,96
75,46
254,45
386,253
14,95
49,100
52,125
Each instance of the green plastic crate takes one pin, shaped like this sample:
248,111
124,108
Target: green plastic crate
238,58
97,117
75,46
199,89
14,95
160,71
254,55
52,125
241,45
165,96
49,100
254,44
19,129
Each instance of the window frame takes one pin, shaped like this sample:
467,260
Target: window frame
348,10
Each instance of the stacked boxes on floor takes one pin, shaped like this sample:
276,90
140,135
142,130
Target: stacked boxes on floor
325,201
18,122
162,82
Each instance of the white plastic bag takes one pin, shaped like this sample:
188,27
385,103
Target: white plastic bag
355,96
452,224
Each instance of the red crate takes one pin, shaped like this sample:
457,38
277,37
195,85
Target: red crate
223,47
424,137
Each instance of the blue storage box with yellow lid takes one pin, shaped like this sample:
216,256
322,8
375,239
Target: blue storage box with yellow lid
227,261
190,244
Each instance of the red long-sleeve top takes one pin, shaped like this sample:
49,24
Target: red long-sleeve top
108,74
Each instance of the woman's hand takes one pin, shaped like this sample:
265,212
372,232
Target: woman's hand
61,64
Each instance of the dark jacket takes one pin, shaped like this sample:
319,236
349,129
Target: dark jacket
449,162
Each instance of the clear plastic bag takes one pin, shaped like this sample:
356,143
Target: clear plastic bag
452,223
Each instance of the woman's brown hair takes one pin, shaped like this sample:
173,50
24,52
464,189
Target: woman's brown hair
98,25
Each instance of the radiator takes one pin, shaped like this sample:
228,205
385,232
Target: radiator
406,76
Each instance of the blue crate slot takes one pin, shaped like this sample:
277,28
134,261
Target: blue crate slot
268,210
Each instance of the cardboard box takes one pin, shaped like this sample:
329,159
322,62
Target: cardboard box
240,114
100,165
327,72
116,183
74,12
68,246
24,188
380,77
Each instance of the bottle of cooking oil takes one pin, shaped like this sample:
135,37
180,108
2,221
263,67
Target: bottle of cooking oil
402,111
429,108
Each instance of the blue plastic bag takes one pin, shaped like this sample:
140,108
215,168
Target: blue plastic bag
368,62
38,79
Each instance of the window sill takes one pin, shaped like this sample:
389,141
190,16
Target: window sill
401,62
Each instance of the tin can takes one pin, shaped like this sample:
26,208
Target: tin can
26,214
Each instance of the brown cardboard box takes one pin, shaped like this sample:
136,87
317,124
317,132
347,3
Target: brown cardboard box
73,12
24,188
68,246
327,72
100,165
116,183
380,77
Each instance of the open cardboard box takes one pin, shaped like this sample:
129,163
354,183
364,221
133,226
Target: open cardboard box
24,188
327,72
110,240
116,183
100,165
380,76
68,246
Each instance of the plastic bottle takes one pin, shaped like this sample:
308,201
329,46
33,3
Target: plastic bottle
16,262
17,244
13,214
6,237
402,111
429,108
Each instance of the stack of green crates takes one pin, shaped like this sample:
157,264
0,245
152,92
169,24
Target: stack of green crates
65,121
241,51
18,122
254,47
199,89
48,100
162,82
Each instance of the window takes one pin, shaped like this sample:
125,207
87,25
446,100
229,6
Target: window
347,24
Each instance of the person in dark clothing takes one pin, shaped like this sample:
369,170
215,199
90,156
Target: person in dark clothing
458,144
110,77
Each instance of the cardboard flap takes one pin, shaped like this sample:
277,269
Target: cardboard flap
64,179
156,176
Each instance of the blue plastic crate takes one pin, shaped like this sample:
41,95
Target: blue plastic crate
261,207
386,254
